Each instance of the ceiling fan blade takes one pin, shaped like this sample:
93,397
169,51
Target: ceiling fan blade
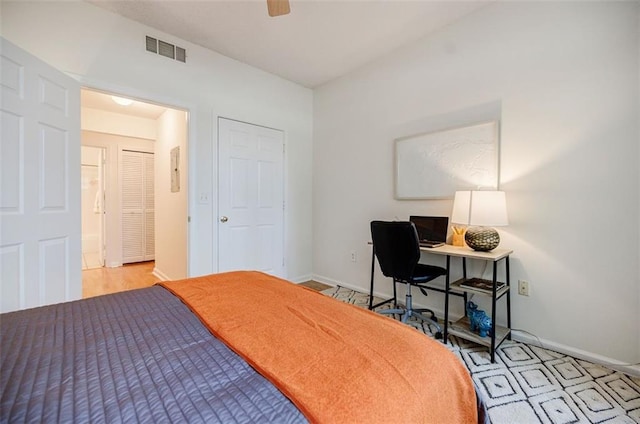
278,7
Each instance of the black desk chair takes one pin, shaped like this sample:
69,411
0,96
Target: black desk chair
395,244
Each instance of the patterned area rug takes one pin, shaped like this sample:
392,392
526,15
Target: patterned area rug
529,384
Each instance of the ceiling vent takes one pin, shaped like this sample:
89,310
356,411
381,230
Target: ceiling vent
166,49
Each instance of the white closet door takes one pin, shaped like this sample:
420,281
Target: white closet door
149,208
132,171
251,198
136,170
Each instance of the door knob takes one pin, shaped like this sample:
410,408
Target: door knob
223,219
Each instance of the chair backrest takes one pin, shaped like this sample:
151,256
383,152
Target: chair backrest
395,244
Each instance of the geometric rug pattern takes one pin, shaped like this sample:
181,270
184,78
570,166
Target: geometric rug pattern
530,384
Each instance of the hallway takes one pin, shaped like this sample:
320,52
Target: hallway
104,280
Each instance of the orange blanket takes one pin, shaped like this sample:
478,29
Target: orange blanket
336,362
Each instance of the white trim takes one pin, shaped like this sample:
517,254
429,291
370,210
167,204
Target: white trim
160,274
302,279
614,364
158,98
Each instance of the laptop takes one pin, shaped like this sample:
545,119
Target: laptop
432,230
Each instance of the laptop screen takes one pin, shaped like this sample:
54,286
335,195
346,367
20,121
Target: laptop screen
431,228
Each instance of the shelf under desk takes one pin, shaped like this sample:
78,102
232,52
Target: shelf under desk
460,328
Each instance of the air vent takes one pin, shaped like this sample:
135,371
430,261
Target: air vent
152,45
166,49
181,54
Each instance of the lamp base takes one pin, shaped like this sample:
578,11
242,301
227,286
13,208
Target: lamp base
482,239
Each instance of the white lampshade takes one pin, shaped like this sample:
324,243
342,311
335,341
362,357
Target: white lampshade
480,208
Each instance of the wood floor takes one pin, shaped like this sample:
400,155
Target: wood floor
98,281
111,280
314,285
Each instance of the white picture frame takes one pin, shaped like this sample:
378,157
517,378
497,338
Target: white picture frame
435,165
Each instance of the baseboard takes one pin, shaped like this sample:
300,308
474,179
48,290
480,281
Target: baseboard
160,274
301,279
630,369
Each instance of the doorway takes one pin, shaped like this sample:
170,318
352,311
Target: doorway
120,126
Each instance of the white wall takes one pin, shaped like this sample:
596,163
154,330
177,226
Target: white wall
118,123
171,207
106,51
563,78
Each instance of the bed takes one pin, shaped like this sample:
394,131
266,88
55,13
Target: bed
233,347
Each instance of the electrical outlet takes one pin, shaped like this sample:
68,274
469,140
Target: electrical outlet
354,257
523,288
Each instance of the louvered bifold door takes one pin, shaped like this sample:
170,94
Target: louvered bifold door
149,209
132,189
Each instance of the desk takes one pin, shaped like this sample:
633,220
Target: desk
460,328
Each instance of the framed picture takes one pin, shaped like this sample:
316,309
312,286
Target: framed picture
435,165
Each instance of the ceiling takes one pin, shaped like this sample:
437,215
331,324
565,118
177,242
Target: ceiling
318,41
101,101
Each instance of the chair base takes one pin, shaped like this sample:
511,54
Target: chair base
408,313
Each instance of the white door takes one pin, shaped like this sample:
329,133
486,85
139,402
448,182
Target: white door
251,198
40,254
137,188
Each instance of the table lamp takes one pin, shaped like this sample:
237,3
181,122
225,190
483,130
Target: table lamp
480,210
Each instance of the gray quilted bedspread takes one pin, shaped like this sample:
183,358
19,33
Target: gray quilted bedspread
137,356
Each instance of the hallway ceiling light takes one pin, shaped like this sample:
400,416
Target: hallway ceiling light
122,101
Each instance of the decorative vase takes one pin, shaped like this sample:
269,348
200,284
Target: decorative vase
482,239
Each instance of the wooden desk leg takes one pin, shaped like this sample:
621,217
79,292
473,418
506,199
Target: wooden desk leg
373,265
445,334
493,312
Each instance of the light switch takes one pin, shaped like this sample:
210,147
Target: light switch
204,198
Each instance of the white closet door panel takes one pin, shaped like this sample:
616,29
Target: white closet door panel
149,239
52,152
11,172
132,180
148,181
138,227
266,259
12,265
132,189
53,260
149,201
132,237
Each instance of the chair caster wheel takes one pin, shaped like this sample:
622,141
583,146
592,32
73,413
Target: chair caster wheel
438,335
